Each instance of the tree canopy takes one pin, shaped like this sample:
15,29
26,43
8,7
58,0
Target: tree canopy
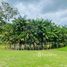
33,34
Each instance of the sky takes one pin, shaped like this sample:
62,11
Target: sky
55,10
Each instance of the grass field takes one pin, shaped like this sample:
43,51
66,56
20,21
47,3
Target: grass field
33,58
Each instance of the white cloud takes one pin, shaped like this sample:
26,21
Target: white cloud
30,10
33,11
57,17
55,10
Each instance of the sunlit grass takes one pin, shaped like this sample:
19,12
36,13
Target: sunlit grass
33,58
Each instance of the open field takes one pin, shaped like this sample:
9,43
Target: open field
33,33
33,58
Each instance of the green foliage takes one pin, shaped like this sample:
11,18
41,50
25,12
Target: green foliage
30,33
35,34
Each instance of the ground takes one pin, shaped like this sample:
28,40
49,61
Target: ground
34,58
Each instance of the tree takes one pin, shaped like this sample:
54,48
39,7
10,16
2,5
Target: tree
7,12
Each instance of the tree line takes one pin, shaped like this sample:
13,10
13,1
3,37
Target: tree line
31,34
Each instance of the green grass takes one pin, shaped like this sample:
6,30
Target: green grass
33,58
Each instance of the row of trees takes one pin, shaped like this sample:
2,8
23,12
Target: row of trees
32,34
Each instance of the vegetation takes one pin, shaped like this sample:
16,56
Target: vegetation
41,58
31,34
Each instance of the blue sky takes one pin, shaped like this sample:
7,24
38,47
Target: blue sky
55,10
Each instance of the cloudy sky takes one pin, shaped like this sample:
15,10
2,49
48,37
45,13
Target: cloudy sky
55,10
